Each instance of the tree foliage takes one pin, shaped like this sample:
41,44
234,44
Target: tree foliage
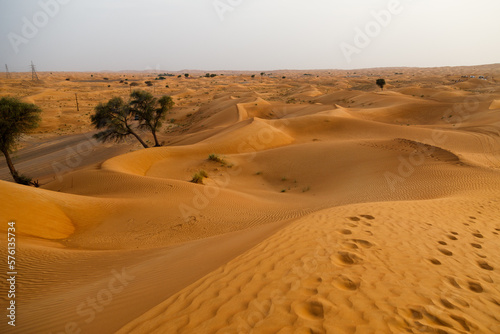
381,83
16,118
150,111
115,118
118,119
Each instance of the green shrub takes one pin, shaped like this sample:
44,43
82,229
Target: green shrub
198,177
216,158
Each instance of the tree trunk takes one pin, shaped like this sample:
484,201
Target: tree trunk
12,169
138,138
157,144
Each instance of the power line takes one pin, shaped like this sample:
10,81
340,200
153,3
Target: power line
7,73
34,76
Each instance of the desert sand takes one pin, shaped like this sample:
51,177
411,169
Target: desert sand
336,207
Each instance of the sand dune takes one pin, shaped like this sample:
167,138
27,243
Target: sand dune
332,206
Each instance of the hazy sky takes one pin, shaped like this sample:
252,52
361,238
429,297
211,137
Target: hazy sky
93,35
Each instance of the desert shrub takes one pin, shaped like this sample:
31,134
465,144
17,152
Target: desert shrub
198,177
216,158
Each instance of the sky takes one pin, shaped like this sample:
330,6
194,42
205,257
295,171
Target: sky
255,35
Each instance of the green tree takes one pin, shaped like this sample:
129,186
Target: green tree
116,118
16,118
150,111
381,83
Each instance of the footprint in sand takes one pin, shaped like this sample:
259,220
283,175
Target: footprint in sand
451,237
312,310
478,246
369,217
363,243
447,304
484,265
345,283
453,282
345,232
417,315
435,261
476,287
464,323
351,245
354,219
346,258
442,243
478,235
454,233
445,251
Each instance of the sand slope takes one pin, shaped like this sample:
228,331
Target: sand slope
362,268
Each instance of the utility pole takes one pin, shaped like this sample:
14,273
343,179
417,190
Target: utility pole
76,97
34,76
7,74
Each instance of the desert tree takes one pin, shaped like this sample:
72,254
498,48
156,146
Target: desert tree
150,111
16,118
115,119
381,83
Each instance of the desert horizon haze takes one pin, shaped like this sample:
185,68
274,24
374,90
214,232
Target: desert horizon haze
237,167
70,35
